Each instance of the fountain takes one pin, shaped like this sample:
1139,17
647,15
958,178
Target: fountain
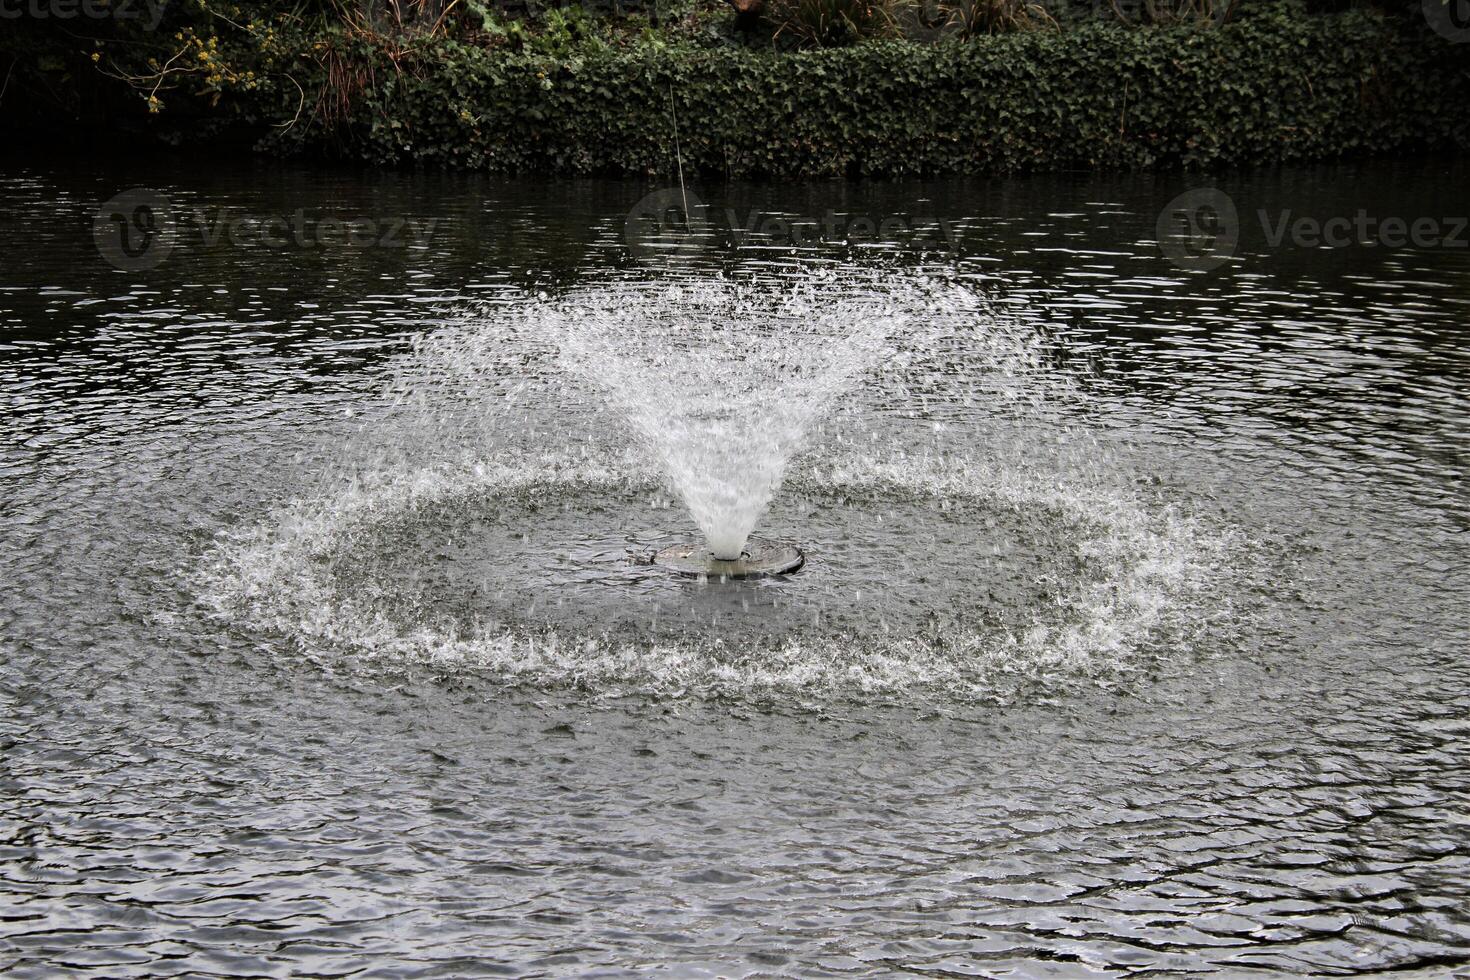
610,488
720,383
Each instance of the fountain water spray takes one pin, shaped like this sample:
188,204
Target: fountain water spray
720,382
970,534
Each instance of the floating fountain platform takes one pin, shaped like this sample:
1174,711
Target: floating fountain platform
759,559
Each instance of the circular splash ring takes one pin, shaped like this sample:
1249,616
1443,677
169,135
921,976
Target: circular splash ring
760,559
1118,576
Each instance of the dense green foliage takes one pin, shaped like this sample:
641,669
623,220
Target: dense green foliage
1276,85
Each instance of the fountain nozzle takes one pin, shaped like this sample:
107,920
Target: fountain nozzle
759,559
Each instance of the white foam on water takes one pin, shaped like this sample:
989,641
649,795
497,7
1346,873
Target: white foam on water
1158,574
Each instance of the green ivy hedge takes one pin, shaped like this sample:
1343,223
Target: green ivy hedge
1277,86
1268,89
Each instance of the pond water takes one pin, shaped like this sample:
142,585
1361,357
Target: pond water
1132,639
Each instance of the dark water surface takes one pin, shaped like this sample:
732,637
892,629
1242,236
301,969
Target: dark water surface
1276,784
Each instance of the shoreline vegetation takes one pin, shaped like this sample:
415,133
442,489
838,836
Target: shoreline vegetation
760,88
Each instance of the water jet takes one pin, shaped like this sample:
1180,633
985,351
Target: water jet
780,356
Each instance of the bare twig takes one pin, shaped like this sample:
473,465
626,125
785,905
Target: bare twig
286,127
679,156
